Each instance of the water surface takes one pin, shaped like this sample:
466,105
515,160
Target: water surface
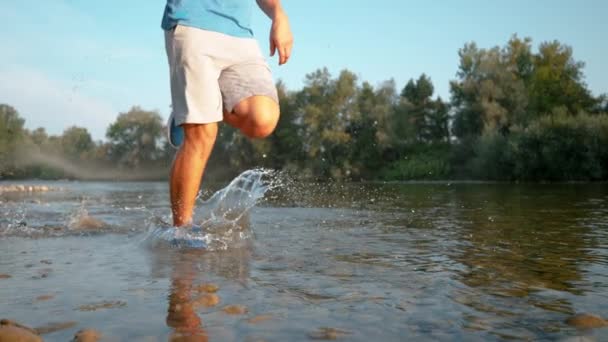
358,262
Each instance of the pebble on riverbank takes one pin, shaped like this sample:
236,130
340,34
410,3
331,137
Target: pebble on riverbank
26,188
587,321
13,331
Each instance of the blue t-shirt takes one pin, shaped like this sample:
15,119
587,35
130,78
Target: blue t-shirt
232,17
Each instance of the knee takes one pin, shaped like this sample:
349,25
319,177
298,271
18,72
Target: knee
264,121
261,115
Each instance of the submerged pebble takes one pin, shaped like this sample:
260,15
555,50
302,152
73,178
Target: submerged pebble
259,319
87,335
587,321
44,298
86,222
52,327
208,288
235,309
326,333
207,300
13,331
102,305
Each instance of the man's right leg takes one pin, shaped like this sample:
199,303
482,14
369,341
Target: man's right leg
188,168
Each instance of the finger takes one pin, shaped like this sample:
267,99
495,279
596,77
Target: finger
273,47
285,55
288,52
281,55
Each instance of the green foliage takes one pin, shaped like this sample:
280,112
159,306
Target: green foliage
424,162
560,147
135,137
77,144
11,133
563,147
418,118
494,158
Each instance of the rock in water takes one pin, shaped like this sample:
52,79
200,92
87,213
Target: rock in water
586,321
11,331
52,327
208,288
326,333
87,335
235,309
207,300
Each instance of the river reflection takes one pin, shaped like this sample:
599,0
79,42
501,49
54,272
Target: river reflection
191,293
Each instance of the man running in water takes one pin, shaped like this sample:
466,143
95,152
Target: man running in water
218,73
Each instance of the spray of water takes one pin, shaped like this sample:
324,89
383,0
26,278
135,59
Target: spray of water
223,220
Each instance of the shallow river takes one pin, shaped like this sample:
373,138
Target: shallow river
353,262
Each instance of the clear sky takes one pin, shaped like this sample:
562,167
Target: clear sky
81,62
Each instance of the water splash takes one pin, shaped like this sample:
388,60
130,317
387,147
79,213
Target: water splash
223,219
13,221
80,220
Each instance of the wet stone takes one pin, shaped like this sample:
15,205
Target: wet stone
586,321
188,337
259,319
87,335
4,276
207,300
52,327
235,309
44,298
207,288
43,273
326,333
11,331
102,305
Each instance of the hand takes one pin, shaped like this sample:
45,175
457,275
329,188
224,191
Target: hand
281,38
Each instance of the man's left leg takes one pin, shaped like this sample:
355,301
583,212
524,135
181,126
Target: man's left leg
255,116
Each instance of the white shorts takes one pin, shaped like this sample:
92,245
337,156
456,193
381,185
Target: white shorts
211,71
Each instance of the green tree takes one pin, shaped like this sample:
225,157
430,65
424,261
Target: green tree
418,117
327,107
490,93
135,137
286,142
11,134
370,131
39,136
76,143
557,81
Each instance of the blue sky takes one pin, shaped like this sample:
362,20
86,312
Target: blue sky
81,62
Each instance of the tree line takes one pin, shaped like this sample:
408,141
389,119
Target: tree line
514,114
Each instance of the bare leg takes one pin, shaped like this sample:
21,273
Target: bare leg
188,168
256,116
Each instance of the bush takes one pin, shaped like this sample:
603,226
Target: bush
559,147
422,162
